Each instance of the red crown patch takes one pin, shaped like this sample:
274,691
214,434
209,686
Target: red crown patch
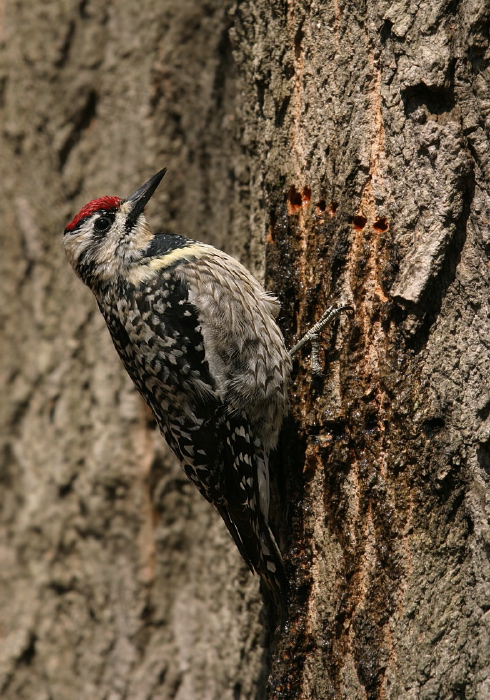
93,206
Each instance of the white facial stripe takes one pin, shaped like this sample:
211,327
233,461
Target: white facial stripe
142,273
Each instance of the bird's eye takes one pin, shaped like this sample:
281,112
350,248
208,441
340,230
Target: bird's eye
102,224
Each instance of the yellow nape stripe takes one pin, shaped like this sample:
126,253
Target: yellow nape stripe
142,272
194,250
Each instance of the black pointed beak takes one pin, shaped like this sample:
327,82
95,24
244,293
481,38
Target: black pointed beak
141,197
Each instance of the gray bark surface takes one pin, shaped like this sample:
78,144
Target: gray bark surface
341,151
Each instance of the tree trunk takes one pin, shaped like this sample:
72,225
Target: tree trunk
342,153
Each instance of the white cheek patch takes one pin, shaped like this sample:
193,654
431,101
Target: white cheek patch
109,254
77,245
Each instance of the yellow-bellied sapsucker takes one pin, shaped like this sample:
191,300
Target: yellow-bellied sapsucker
197,335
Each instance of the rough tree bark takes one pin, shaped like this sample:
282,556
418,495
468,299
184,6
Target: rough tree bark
341,151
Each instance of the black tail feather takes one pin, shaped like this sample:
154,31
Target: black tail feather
262,556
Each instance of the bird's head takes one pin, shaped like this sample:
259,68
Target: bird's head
108,234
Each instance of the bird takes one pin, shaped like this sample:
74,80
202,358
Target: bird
198,335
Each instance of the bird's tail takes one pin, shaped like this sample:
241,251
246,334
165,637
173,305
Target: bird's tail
273,574
260,551
245,482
